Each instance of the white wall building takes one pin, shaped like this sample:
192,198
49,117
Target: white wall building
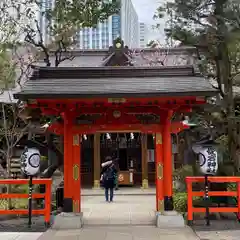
129,24
143,35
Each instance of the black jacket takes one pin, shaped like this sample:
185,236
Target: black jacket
110,183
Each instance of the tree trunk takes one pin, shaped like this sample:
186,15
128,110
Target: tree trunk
224,77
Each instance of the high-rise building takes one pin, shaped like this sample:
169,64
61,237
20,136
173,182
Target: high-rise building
123,25
143,35
43,21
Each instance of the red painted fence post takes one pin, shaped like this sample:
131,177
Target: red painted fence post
189,202
238,200
48,204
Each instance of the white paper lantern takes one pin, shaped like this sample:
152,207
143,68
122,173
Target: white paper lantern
208,159
30,161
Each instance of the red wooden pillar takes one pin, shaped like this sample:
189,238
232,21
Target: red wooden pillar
67,201
72,179
167,159
159,172
76,177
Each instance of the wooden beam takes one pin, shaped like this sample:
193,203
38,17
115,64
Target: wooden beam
144,154
97,161
57,128
68,104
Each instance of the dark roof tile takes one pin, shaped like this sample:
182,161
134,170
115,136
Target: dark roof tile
114,81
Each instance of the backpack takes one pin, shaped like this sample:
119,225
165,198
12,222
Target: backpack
108,174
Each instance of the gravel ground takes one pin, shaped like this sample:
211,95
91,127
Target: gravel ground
218,230
21,225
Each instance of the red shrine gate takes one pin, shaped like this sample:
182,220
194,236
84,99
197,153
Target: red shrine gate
117,115
122,99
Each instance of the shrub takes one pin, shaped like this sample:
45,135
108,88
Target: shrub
180,201
179,176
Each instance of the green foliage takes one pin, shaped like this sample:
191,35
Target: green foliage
21,203
22,188
232,187
12,129
7,71
183,172
15,204
197,23
180,201
82,13
152,44
180,175
213,27
77,14
63,21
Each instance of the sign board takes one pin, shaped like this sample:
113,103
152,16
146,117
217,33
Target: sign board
30,161
125,178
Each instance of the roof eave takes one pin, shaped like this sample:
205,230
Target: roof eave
25,96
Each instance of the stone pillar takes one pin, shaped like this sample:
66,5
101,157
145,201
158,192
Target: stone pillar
167,158
159,173
144,161
97,162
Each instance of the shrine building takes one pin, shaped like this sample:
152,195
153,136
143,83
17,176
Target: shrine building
118,108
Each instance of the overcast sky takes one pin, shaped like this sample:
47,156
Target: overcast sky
146,10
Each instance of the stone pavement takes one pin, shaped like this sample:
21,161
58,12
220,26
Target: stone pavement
129,217
125,210
121,233
122,191
19,236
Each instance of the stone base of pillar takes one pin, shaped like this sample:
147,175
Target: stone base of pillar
169,219
168,203
65,221
96,184
144,183
67,205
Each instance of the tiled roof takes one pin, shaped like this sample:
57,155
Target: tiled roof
69,82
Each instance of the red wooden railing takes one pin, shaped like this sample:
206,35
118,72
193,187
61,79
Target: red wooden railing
191,209
46,196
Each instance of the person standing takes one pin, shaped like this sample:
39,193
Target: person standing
108,174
